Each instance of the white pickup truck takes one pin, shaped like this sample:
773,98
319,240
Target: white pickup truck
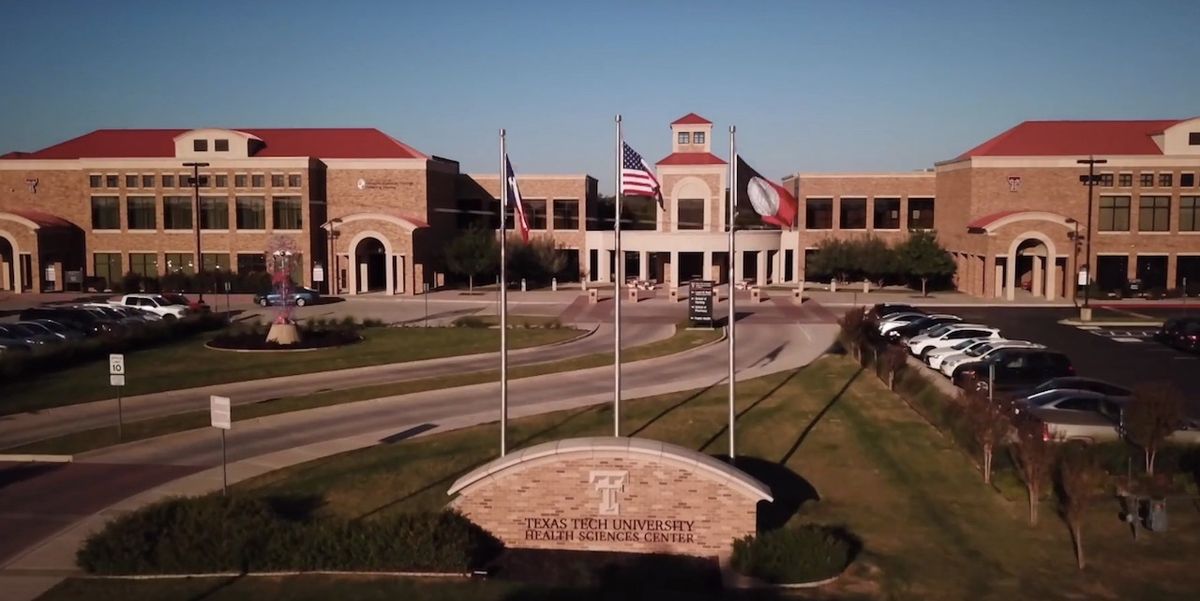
153,303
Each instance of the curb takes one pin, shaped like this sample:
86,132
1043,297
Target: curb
273,575
35,458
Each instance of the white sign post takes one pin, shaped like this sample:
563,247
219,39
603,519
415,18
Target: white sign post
222,419
116,378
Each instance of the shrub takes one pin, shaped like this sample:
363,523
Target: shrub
214,533
795,555
471,321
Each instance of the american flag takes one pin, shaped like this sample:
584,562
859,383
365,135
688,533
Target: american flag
514,200
637,177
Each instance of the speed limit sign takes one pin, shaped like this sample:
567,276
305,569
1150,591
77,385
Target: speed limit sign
116,365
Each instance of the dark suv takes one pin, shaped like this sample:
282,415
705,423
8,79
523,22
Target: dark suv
1180,332
1016,370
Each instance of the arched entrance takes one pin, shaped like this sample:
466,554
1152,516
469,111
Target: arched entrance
8,265
1032,266
370,265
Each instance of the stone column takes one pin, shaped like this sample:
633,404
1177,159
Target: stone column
390,280
605,266
708,266
999,280
737,266
777,267
643,265
674,268
1053,277
761,265
1010,276
4,277
1039,274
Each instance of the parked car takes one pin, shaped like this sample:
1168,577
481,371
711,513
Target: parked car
906,331
85,321
300,297
951,365
1086,421
895,320
949,335
63,330
1064,400
183,301
21,334
1180,332
935,357
1015,370
154,303
882,310
60,335
1079,384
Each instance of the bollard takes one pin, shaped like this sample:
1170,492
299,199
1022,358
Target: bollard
833,285
553,284
673,294
593,296
866,286
798,295
522,284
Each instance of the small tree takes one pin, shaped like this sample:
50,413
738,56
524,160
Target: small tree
895,359
472,253
876,258
989,424
853,325
1033,453
834,258
1079,477
922,258
1156,411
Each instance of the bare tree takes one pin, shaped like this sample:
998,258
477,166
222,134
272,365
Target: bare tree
989,424
1033,452
1079,478
1156,412
853,324
895,359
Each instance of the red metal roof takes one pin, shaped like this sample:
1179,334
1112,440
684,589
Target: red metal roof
691,119
1074,138
692,158
982,222
40,218
327,143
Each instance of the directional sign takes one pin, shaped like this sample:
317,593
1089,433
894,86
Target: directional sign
116,379
700,302
116,365
219,411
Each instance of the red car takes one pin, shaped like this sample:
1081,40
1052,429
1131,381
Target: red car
194,306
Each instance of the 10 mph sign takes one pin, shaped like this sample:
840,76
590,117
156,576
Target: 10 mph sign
116,370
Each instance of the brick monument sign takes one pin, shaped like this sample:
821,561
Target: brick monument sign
612,494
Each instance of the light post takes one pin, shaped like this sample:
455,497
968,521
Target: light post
330,227
1075,255
1090,181
196,216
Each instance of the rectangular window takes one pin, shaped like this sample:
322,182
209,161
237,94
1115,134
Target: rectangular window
1187,180
286,213
691,214
147,181
1125,180
131,181
107,266
139,213
1189,216
239,180
251,262
887,213
95,181
184,180
698,137
685,137
1165,179
1154,213
111,181
294,180
168,181
214,213
258,180
1106,180
180,263
106,213
920,213
222,181
535,213
187,181
566,214
144,264
221,145
218,262
1114,214
276,180
818,213
1146,179
1194,138
854,214
251,213
200,145
177,213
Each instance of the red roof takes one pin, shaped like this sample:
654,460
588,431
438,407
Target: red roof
328,143
1074,138
692,158
691,119
982,222
41,219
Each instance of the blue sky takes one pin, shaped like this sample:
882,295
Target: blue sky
812,86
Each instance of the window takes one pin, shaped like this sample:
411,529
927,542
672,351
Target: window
106,213
239,180
139,213
1187,180
1106,180
1189,215
144,264
221,145
222,181
566,214
251,213
535,213
1125,180
286,213
258,180
95,181
107,266
214,213
147,181
218,262
1194,138
887,213
1146,179
177,213
818,213
691,214
168,181
200,145
131,181
187,181
920,213
180,263
276,180
1164,179
294,180
1154,213
1114,214
111,181
698,137
184,180
854,214
248,263
685,137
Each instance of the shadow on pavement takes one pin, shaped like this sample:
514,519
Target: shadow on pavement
18,472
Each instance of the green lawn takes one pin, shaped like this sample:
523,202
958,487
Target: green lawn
188,363
930,528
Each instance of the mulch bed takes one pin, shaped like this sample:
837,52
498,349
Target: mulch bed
607,570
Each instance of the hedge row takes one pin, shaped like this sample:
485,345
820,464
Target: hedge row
214,533
808,553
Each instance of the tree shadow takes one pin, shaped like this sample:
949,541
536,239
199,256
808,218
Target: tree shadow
661,414
723,321
26,471
725,428
817,418
790,490
294,507
406,434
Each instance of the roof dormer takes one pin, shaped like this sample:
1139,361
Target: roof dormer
1181,138
691,133
213,143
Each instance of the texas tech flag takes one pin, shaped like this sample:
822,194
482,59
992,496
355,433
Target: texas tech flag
773,204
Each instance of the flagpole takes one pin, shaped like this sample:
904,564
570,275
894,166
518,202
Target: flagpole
503,296
617,291
733,200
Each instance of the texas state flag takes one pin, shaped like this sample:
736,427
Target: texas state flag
771,201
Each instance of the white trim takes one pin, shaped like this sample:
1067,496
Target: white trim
875,175
1027,216
407,225
13,217
418,163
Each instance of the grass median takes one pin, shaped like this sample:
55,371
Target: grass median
86,440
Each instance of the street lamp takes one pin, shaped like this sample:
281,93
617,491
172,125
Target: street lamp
196,216
1075,253
332,258
1090,181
